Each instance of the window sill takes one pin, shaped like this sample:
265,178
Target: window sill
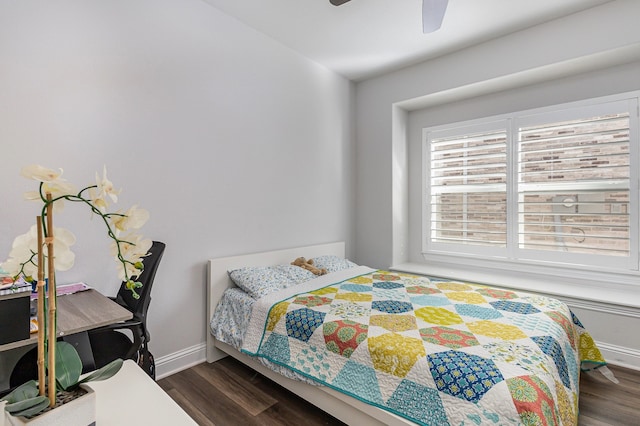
566,288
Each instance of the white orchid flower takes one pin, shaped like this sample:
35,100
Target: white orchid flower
22,253
131,270
30,239
133,249
97,200
129,254
51,183
41,174
56,189
11,266
30,270
25,243
64,258
105,187
132,246
63,236
134,218
25,246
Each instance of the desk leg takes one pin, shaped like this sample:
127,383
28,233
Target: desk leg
81,342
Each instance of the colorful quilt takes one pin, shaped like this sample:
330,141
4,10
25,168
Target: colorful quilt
433,351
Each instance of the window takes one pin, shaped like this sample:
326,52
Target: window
556,185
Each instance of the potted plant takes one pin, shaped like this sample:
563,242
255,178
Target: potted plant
59,365
75,404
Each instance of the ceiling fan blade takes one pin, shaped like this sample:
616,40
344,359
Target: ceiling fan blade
432,14
338,2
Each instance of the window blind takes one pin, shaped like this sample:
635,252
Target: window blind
468,176
573,185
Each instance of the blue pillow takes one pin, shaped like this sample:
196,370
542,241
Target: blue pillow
258,281
332,263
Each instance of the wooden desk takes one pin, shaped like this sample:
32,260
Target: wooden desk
80,312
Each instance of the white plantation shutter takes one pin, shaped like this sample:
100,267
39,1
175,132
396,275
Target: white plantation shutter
558,184
574,184
468,175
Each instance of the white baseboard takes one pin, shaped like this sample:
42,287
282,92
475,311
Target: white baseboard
603,318
621,356
181,360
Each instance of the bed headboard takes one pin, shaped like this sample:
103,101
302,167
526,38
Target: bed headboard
219,281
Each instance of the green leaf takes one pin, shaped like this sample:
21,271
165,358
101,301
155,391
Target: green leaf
28,407
25,391
104,373
68,365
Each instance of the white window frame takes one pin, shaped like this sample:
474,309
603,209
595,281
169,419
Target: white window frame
512,257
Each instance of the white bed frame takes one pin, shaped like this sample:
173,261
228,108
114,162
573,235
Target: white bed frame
343,407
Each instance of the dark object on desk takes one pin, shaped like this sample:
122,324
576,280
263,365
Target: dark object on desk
14,316
107,343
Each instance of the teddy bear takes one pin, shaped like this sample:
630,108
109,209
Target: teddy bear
308,265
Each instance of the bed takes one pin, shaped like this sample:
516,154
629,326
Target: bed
471,354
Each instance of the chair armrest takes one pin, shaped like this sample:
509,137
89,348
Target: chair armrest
130,324
137,330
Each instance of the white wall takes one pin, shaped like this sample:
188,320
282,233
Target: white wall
233,142
593,53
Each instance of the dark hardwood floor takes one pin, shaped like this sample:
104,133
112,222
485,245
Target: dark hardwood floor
229,393
605,403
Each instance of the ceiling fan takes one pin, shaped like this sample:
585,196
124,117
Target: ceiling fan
432,13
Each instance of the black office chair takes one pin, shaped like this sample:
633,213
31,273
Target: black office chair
107,343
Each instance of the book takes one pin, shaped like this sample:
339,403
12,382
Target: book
61,290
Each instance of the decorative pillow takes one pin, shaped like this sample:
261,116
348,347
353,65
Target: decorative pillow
258,281
332,263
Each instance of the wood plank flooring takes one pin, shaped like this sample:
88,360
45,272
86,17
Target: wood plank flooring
604,403
229,393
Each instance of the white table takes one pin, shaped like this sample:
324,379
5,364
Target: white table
131,397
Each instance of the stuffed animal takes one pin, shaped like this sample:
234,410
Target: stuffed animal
308,265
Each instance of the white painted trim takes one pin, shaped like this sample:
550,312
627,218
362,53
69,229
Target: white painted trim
619,355
180,360
595,61
564,283
624,292
400,190
601,307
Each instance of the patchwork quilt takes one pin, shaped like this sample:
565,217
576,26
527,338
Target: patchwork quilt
433,351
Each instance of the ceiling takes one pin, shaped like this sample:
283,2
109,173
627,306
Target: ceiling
364,38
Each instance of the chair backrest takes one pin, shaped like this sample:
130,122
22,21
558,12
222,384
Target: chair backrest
140,306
